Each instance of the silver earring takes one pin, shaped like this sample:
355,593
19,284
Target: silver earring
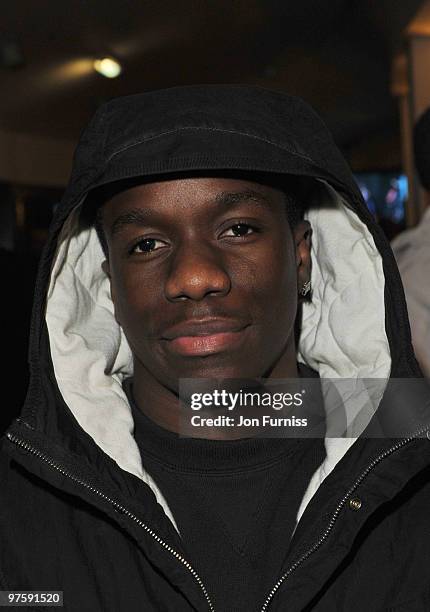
305,289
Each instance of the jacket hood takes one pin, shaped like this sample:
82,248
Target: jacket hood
355,327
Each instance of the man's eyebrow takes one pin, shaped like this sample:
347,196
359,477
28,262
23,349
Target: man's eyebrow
227,198
136,216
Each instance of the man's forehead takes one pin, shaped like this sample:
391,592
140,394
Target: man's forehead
141,203
219,190
216,180
223,189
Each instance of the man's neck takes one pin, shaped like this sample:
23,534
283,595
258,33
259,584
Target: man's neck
162,405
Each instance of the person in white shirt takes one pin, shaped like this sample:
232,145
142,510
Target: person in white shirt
412,251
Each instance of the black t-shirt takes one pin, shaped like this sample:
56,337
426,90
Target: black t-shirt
234,502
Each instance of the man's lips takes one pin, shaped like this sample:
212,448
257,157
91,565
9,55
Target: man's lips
204,337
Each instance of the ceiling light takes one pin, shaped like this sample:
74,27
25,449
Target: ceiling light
108,67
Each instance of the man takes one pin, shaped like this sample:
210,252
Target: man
182,252
412,251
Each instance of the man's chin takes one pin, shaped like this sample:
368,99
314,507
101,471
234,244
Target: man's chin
216,368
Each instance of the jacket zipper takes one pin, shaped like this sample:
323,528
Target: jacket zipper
119,507
336,513
24,444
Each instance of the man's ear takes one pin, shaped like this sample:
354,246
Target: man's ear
302,235
106,270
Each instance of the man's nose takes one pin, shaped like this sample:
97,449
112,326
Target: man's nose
196,271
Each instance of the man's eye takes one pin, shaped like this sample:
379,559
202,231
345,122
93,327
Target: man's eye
239,230
146,245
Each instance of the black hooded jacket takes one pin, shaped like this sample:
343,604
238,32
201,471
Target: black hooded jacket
79,514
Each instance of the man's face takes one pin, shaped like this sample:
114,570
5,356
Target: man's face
203,276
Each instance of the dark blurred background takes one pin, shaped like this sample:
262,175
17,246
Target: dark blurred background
362,65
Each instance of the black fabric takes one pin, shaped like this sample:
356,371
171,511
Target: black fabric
248,491
71,519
